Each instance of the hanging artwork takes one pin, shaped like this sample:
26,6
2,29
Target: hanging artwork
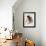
29,19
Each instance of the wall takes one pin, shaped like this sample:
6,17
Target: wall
6,13
28,6
6,18
43,22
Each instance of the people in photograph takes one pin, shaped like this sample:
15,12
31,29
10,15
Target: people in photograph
29,19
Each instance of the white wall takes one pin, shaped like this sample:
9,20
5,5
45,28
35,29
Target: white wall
6,13
43,22
28,6
37,34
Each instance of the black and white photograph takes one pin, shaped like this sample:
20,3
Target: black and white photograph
29,19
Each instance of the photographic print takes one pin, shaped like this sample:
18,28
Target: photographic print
29,19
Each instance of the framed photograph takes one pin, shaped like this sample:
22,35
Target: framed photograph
29,19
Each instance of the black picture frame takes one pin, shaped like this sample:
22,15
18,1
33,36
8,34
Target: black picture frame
32,17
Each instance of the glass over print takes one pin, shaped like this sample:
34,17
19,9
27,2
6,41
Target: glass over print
29,19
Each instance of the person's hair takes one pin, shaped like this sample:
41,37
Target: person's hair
29,18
